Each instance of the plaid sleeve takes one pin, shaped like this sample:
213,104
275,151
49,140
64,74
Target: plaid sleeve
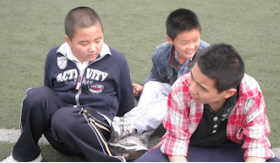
256,129
180,121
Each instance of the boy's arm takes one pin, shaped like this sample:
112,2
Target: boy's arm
256,129
48,66
46,76
125,90
154,76
177,122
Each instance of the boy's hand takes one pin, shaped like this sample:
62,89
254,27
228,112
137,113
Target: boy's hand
137,88
255,159
177,159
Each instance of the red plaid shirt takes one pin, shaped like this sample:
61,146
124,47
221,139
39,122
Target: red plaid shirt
247,124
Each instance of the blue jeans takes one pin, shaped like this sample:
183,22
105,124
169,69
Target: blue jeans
151,109
223,153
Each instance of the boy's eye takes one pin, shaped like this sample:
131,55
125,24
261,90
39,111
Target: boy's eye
83,43
98,40
203,88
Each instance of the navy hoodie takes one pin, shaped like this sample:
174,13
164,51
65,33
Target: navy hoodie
105,84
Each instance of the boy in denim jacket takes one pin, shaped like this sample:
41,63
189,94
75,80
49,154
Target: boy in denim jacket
172,59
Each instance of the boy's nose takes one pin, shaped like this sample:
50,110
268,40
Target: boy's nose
92,48
190,46
192,88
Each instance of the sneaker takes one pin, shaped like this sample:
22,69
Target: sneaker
11,159
117,119
121,127
130,147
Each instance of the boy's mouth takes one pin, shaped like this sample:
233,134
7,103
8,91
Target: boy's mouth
193,97
190,52
92,55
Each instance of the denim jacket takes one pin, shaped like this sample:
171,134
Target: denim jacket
165,67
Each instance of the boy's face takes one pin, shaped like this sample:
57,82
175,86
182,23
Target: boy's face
186,43
203,89
86,43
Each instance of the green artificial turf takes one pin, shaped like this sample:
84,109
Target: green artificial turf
28,29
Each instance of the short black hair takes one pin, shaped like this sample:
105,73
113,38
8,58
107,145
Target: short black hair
222,63
181,20
80,17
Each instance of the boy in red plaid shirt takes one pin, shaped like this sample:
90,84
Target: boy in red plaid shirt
215,113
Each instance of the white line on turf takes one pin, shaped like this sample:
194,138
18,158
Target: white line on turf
12,135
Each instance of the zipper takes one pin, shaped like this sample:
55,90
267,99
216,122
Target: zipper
79,83
78,87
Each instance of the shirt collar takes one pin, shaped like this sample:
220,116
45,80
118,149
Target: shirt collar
228,106
66,50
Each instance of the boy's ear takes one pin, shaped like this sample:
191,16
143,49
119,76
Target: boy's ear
230,92
169,40
68,40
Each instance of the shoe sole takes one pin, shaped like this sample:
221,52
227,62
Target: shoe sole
130,155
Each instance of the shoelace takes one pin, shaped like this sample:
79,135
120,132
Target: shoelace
126,129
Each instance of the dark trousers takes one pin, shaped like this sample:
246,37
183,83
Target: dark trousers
67,129
222,153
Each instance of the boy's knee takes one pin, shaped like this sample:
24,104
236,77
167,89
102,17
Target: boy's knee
155,84
152,84
38,94
145,159
140,160
154,155
62,120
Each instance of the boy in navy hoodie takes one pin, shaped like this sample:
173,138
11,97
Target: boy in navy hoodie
86,84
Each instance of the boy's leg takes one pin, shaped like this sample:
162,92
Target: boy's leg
153,90
37,110
150,106
223,153
231,152
154,155
141,121
149,113
79,134
58,145
274,159
151,110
